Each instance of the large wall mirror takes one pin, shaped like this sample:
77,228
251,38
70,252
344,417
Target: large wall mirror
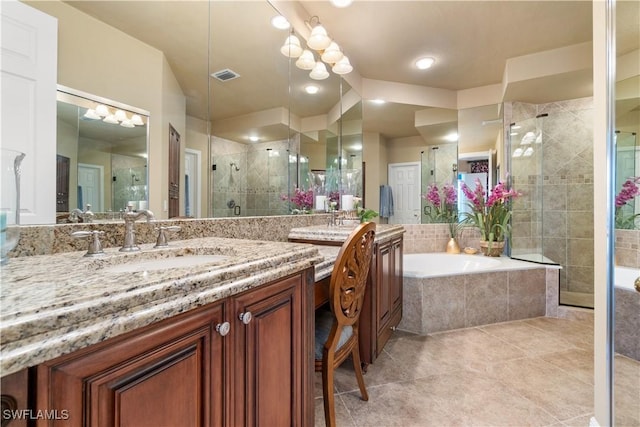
101,156
271,124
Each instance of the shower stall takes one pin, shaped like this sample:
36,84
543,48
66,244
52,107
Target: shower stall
549,157
249,180
439,166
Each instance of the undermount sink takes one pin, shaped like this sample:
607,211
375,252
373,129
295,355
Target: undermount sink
166,263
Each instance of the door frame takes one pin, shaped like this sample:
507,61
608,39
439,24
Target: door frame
390,168
197,202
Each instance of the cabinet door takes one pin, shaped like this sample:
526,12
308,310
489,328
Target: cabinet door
164,375
269,357
396,280
384,265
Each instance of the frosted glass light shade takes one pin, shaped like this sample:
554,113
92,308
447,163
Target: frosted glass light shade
121,115
126,123
137,120
91,114
111,119
332,53
306,61
343,66
319,39
319,72
291,47
102,110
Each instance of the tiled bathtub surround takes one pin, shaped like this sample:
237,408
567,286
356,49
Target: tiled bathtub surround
627,333
427,238
461,301
628,248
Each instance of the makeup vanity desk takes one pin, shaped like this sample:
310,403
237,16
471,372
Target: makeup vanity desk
382,309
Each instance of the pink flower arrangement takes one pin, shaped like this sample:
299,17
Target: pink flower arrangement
443,206
301,199
628,192
490,217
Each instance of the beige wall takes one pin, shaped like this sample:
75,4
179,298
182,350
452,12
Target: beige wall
374,154
403,150
99,59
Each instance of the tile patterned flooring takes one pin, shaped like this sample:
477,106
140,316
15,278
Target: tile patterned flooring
534,372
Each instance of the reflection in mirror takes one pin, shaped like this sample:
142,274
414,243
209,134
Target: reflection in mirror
248,103
101,157
626,360
627,151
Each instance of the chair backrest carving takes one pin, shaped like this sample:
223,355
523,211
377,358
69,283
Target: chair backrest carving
349,277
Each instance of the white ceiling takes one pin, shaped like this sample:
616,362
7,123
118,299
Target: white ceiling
470,40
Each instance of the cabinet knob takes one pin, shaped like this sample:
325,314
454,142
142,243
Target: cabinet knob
245,317
223,328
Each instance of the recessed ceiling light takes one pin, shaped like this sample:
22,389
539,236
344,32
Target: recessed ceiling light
424,63
378,101
280,22
311,89
341,3
254,138
452,137
357,147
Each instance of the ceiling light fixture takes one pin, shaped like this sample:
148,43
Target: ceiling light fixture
328,50
424,63
311,89
378,101
341,3
280,22
452,137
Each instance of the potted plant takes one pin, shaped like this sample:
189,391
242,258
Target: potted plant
444,209
365,215
629,191
301,200
491,218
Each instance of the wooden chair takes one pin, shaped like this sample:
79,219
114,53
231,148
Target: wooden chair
337,329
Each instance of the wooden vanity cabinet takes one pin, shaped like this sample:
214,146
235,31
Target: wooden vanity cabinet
183,372
389,290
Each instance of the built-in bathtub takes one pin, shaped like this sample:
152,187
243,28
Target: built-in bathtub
444,292
627,323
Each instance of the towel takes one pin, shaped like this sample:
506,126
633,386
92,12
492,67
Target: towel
386,201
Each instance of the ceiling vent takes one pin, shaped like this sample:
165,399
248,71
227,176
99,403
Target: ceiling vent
225,75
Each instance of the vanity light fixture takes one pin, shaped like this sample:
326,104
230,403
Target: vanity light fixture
319,72
424,63
291,47
119,117
92,115
328,50
102,110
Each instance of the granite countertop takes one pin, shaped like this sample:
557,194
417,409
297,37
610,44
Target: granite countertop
340,233
54,304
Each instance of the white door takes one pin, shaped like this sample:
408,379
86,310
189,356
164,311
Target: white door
28,64
90,187
192,182
404,180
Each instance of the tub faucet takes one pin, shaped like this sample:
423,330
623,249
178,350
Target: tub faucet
130,218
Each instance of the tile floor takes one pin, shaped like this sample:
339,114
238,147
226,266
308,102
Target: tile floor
534,372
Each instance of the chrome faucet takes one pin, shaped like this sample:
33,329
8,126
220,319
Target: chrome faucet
86,215
130,218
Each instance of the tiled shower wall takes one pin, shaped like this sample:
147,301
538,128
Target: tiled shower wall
259,183
555,214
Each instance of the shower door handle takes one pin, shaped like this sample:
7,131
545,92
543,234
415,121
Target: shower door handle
236,210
